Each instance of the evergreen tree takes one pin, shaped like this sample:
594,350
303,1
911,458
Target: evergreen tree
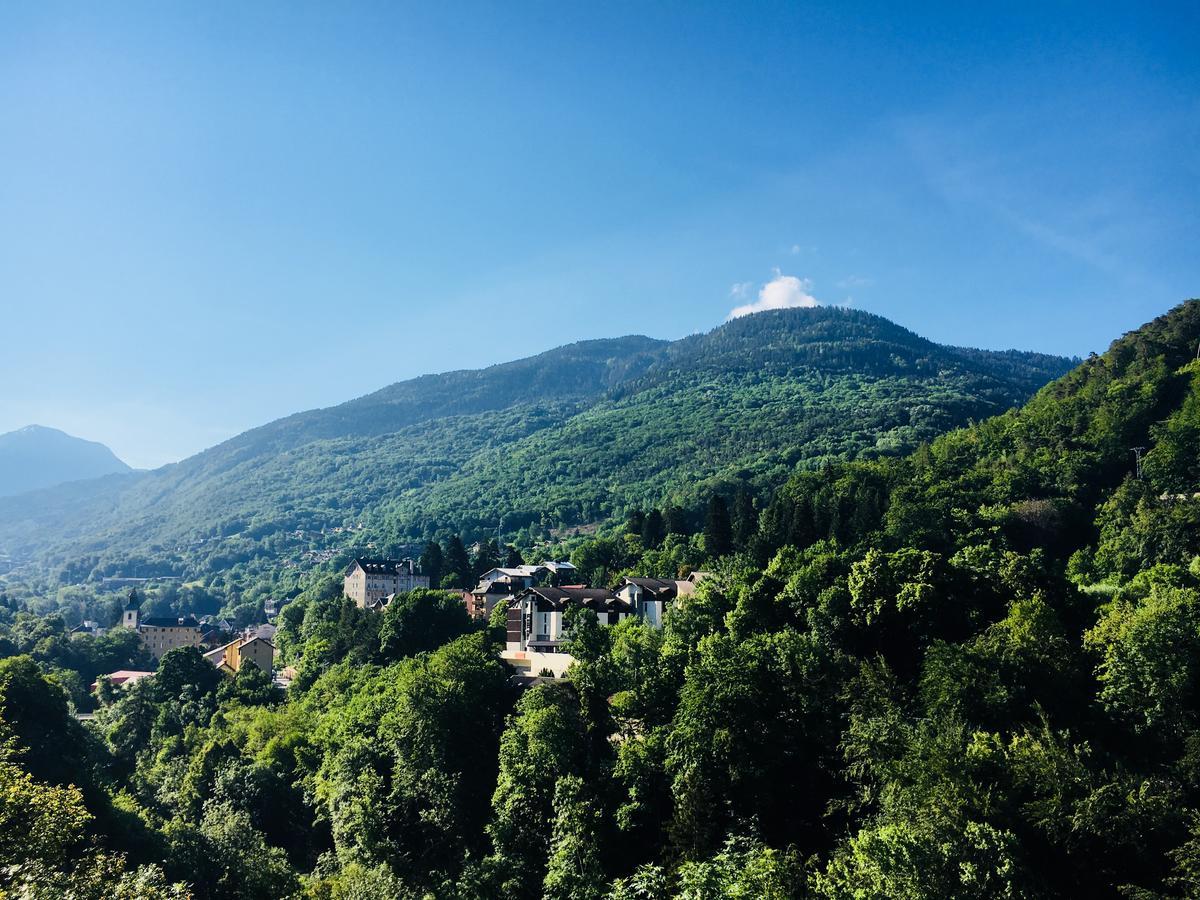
487,558
745,518
635,521
718,530
676,521
513,558
457,571
433,563
654,529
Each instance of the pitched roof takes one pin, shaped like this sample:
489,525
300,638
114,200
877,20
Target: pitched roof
216,656
495,587
656,587
380,566
552,598
504,572
685,588
163,622
124,676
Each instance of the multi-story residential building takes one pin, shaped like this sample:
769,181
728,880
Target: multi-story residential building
525,575
537,633
652,597
370,583
499,585
487,596
272,606
160,635
233,655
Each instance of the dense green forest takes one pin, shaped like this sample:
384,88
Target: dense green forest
968,671
572,437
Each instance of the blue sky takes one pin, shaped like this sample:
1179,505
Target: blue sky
212,215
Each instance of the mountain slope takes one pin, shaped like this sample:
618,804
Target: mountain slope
570,436
38,457
572,373
747,402
1060,474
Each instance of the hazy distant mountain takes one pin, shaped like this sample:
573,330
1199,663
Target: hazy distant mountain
38,457
568,437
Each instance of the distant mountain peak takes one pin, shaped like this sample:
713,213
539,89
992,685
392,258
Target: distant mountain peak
38,456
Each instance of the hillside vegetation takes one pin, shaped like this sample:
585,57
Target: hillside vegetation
573,436
972,671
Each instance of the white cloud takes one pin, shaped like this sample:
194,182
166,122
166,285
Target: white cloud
741,290
781,292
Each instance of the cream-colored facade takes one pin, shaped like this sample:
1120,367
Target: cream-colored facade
258,651
160,636
369,582
160,639
531,663
237,652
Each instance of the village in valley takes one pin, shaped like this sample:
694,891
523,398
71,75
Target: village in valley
222,644
537,600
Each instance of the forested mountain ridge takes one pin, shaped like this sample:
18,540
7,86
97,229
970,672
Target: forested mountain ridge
1063,468
574,435
971,671
574,372
37,457
745,403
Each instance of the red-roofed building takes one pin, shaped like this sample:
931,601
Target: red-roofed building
123,677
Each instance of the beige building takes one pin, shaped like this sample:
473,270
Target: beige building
370,583
160,635
233,655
